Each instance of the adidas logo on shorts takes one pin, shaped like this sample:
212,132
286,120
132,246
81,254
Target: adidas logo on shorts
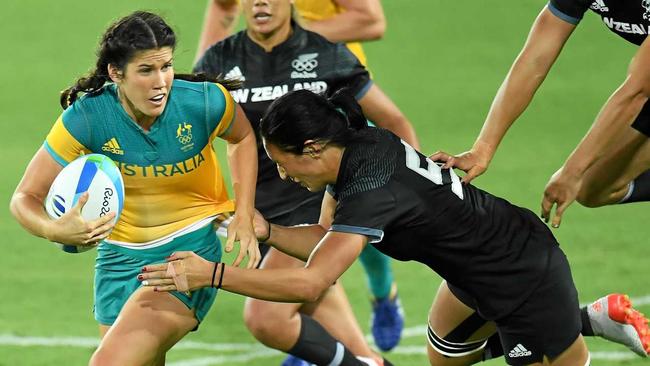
519,351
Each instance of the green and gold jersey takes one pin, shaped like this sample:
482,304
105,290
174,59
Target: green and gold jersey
171,173
314,10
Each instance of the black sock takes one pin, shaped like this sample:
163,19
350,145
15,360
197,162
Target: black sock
317,346
586,331
640,190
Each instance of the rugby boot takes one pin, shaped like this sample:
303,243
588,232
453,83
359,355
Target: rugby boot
613,318
292,360
387,321
374,361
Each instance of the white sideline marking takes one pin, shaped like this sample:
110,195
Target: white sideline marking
252,351
220,360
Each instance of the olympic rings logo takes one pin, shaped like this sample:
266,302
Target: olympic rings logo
184,139
304,65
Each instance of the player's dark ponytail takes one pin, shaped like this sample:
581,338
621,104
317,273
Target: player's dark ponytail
301,115
139,31
351,110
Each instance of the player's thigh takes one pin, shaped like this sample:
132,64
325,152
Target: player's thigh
149,324
456,333
103,329
547,324
576,354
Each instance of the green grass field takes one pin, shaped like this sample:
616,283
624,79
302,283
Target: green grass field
441,61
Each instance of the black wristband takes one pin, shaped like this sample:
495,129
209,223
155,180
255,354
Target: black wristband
214,272
223,269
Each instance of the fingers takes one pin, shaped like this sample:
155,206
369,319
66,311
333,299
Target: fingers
243,249
83,199
440,156
547,205
158,282
559,211
230,239
154,268
102,226
255,257
471,174
177,255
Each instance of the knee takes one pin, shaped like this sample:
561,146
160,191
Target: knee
437,359
592,199
588,201
263,323
103,357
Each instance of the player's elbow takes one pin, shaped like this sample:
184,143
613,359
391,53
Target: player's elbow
375,26
376,30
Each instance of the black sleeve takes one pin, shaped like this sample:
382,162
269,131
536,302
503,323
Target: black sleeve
570,11
366,213
347,71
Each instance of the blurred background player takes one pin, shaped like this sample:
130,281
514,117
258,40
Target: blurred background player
348,21
132,97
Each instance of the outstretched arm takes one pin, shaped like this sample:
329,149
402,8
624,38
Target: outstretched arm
242,159
362,20
614,118
545,41
334,254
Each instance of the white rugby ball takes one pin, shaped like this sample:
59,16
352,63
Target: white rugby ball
93,173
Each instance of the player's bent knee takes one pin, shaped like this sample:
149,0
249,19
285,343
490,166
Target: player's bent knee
591,199
264,326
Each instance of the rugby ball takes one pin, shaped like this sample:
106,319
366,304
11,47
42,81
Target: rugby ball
93,173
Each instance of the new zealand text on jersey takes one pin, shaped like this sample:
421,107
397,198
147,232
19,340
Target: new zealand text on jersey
273,92
626,27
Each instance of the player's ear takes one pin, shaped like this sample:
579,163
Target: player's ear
114,73
312,148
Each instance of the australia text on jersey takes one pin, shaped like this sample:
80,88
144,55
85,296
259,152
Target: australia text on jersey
272,92
166,170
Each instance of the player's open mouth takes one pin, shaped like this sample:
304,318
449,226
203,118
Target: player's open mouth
158,99
262,17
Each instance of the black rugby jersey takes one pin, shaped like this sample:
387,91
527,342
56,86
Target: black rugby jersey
411,209
629,19
304,61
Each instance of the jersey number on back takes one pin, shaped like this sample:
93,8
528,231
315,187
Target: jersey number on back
432,171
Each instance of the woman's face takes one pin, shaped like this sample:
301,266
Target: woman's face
145,82
306,169
265,17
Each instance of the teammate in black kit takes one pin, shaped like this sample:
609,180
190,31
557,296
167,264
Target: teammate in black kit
380,190
272,56
610,165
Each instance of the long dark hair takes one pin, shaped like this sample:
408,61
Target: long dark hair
302,115
139,31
